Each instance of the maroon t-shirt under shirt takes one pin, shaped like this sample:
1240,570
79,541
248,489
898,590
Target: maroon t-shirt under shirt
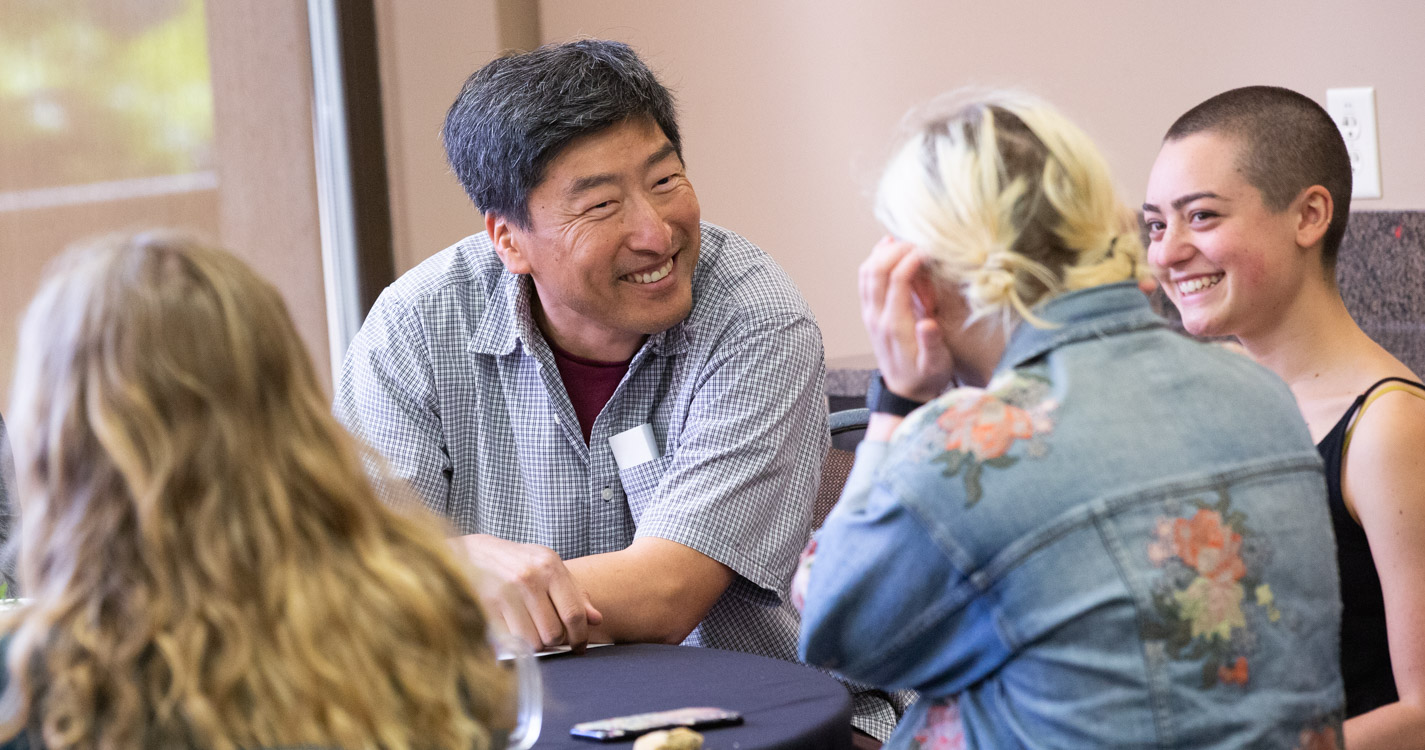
590,383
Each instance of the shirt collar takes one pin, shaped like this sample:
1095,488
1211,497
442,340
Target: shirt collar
506,316
1087,313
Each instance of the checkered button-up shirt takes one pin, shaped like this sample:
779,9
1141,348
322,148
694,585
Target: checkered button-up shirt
451,381
9,501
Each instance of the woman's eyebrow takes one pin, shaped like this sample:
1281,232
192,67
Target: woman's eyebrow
1184,200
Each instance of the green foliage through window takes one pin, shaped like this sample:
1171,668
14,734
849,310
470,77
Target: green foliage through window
98,90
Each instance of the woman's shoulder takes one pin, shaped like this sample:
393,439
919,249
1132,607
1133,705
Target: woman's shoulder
986,421
967,433
1381,474
1391,418
1392,399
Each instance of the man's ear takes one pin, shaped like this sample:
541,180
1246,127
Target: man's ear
1314,209
508,239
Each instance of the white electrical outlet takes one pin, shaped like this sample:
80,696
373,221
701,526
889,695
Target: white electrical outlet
1354,111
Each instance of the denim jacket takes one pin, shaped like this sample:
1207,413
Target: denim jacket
1121,541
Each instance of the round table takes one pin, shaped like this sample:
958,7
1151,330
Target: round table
783,705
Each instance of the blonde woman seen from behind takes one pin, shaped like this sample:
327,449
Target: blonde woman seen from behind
208,564
1109,535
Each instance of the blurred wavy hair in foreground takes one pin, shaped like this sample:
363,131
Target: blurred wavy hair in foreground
208,561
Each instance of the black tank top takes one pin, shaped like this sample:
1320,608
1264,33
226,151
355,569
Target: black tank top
1365,651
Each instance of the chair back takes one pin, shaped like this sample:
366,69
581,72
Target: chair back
847,429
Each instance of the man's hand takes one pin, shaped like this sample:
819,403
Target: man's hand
531,590
898,308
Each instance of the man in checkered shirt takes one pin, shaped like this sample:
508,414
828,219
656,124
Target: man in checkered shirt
493,376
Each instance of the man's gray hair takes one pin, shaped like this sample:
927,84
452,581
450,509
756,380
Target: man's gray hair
515,114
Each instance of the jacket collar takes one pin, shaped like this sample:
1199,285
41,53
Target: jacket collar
1095,312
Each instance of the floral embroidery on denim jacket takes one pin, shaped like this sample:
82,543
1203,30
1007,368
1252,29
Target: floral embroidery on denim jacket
1210,561
941,728
981,425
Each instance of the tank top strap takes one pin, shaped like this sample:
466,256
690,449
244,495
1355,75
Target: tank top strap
1364,401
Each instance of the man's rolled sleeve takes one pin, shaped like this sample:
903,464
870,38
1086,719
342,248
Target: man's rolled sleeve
743,476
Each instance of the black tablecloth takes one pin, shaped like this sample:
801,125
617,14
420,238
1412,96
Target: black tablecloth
784,705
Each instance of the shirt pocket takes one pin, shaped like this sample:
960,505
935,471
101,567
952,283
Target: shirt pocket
640,483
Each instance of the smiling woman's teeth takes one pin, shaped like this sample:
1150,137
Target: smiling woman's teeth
1198,284
649,278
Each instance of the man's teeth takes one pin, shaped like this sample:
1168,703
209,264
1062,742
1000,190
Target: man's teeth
652,276
1198,284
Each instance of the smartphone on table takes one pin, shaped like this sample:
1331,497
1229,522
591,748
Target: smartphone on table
623,727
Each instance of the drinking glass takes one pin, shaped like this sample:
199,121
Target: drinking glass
515,654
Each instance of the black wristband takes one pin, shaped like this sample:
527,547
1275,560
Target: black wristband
880,400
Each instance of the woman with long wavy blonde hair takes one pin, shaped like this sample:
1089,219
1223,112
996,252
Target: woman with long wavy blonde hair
207,561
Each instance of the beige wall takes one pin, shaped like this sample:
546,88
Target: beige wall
267,198
788,107
426,52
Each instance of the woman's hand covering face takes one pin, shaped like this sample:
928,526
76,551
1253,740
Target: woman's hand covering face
899,307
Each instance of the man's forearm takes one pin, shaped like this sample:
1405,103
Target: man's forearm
653,591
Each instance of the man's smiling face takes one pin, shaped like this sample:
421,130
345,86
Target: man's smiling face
612,241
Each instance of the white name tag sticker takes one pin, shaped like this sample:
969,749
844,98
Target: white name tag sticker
634,447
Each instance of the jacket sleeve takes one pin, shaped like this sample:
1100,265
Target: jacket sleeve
884,604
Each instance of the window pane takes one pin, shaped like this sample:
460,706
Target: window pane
106,123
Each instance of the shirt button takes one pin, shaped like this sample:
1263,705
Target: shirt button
607,494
